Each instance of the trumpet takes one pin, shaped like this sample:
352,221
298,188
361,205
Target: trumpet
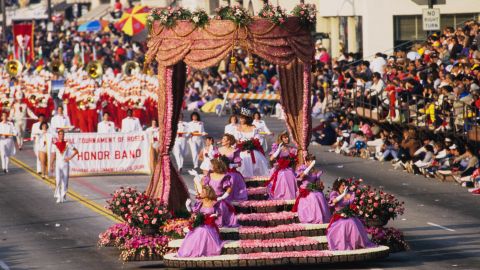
57,67
32,99
94,69
130,68
14,68
6,103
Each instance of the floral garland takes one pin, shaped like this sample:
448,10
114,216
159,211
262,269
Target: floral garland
307,14
117,235
280,242
390,237
250,145
268,230
138,209
267,216
276,15
285,254
236,14
122,200
168,17
199,18
375,204
174,228
257,191
144,247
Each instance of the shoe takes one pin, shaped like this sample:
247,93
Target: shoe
58,200
5,171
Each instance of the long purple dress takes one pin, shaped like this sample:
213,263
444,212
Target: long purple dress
312,208
203,240
346,233
239,188
284,187
226,211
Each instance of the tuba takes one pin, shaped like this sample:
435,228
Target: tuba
130,68
13,68
95,69
57,67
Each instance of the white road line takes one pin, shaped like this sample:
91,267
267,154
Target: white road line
4,266
440,226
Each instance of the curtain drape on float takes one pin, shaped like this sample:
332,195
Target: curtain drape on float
166,184
295,99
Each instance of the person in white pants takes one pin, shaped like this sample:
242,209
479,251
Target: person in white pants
19,113
7,144
35,136
180,146
197,131
62,153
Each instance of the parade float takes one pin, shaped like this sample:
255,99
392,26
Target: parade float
269,232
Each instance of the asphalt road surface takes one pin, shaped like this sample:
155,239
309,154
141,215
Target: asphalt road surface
441,221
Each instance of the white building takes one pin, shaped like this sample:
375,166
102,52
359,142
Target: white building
375,26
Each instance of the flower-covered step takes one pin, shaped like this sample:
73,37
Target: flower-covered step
301,243
263,206
267,219
256,181
281,231
257,193
312,257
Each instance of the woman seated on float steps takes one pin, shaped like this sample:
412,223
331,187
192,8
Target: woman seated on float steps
222,184
204,238
345,231
311,205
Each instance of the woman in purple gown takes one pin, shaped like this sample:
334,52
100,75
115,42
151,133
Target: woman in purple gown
222,185
283,183
232,154
311,205
203,240
344,232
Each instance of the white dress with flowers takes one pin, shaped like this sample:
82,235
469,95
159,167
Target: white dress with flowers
251,167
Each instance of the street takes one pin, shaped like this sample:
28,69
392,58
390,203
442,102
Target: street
441,221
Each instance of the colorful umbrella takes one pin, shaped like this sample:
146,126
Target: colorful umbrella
133,20
93,26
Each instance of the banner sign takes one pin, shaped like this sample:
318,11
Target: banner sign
23,41
110,153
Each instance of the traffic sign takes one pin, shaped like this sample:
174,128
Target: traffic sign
431,19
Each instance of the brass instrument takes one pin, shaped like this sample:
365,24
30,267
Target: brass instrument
94,69
14,68
6,103
32,99
130,68
57,67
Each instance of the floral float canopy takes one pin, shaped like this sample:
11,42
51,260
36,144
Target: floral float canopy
179,37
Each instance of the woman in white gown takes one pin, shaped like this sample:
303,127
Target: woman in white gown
263,130
254,162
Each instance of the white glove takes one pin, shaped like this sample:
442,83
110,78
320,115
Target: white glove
223,197
233,165
188,204
339,198
309,168
197,181
275,155
192,172
186,229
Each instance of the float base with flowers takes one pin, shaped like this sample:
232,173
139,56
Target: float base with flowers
269,233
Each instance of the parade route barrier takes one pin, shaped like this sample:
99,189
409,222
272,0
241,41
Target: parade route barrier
107,153
253,96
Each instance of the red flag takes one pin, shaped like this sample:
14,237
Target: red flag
23,40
